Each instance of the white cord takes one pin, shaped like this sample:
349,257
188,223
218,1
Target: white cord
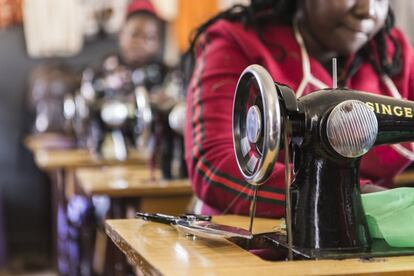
391,87
306,69
396,94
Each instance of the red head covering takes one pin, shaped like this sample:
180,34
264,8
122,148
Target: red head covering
141,5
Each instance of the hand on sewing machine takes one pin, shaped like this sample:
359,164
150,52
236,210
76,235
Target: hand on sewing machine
371,188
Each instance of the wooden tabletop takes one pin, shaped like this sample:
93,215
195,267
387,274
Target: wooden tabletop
49,141
75,158
128,181
55,151
159,249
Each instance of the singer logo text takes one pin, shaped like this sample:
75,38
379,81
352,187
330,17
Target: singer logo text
387,109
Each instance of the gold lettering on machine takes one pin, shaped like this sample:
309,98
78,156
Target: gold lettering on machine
387,109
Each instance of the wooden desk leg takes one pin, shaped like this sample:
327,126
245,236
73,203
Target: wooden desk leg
54,212
83,242
68,239
60,222
116,263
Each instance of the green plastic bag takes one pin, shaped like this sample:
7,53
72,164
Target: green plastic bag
390,216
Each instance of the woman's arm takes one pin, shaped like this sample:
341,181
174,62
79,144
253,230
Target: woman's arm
210,155
212,165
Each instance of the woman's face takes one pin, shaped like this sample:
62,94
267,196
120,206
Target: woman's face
342,26
139,40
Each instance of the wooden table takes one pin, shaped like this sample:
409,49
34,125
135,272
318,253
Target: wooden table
51,159
60,164
136,183
49,140
156,248
130,186
55,151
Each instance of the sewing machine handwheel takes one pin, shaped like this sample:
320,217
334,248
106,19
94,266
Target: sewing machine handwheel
257,124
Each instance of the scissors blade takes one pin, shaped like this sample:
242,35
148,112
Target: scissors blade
210,230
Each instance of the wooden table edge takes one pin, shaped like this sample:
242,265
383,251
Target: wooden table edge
145,266
140,260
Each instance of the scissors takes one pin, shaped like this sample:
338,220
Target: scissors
197,225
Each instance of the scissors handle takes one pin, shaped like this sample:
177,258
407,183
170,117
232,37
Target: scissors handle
156,217
167,219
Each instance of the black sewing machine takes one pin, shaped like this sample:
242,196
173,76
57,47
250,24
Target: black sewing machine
112,109
328,132
118,108
50,97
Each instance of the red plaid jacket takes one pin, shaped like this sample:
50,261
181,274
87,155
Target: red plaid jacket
222,54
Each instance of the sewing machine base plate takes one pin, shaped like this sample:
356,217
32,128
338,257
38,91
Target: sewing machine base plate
273,247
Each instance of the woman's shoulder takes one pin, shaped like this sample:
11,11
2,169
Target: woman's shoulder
237,28
230,30
225,36
248,39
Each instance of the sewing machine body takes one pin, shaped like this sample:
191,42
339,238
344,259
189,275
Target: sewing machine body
328,220
330,130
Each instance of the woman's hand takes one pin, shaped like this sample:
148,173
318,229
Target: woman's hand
371,188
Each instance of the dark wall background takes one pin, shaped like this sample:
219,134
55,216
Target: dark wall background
24,189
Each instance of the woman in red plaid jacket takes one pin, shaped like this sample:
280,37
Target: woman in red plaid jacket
295,41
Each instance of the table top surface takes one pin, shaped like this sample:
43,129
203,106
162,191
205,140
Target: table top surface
55,151
75,158
48,140
159,249
129,181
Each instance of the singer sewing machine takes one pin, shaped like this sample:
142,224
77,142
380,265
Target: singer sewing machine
112,110
328,131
